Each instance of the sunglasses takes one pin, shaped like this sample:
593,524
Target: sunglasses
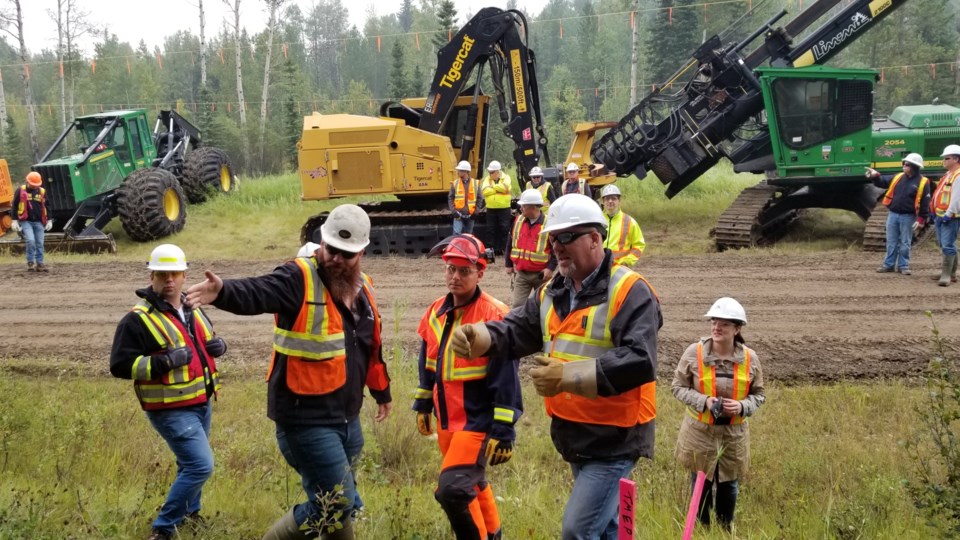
464,271
347,255
949,158
565,238
165,275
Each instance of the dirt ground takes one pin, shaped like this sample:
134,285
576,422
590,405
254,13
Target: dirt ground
819,317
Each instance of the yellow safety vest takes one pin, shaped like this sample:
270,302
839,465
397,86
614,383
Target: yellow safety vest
543,188
493,196
708,384
888,196
626,243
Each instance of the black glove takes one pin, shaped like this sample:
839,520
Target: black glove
163,363
216,347
457,215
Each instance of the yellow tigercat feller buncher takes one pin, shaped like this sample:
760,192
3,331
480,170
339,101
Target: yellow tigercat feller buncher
412,149
6,198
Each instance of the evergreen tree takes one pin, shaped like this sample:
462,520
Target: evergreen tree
671,42
15,153
399,87
418,82
292,117
447,20
405,17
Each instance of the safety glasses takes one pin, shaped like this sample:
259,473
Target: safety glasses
565,238
464,271
347,255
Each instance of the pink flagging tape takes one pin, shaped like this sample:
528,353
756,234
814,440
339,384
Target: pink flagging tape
694,504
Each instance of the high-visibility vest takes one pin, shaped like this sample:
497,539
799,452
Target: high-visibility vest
529,249
580,187
463,200
23,205
543,188
453,367
493,199
585,334
182,386
618,235
941,197
888,196
316,346
708,384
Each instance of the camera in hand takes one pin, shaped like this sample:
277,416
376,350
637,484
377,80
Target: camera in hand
717,409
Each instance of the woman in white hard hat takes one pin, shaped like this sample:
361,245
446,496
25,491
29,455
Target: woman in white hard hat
720,381
907,197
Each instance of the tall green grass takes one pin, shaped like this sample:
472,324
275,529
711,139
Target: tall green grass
79,460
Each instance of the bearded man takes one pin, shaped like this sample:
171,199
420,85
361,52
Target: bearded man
326,347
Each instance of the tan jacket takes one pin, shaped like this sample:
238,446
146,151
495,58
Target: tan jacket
703,447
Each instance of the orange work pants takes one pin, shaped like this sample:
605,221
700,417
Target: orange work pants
462,489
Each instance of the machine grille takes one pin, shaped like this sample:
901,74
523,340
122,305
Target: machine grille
59,186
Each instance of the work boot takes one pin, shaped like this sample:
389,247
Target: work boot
346,533
42,268
195,521
905,271
945,269
157,534
884,269
30,267
953,271
286,528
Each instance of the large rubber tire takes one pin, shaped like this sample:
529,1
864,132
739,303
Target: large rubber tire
151,205
207,171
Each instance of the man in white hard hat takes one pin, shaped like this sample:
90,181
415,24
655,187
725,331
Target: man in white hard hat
907,197
573,183
946,208
317,373
624,237
497,190
596,326
168,349
531,261
464,199
545,188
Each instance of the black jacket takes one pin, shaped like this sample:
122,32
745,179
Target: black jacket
281,293
905,194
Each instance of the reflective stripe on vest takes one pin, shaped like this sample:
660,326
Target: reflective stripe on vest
469,200
543,188
941,197
315,347
455,368
585,334
708,384
617,237
580,187
23,205
888,196
526,248
176,388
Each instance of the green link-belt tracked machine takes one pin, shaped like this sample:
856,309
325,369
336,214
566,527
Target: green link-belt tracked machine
124,169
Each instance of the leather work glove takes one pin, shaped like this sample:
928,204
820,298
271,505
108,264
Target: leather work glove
918,224
163,363
499,452
551,376
216,347
423,423
15,225
470,340
48,226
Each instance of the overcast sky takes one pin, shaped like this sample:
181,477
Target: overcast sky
133,20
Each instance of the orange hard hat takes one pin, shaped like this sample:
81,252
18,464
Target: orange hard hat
34,179
462,250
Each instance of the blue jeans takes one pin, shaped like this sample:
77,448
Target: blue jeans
463,226
33,234
947,236
187,433
323,456
591,511
899,238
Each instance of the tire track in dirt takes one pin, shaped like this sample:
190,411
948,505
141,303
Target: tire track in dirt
819,317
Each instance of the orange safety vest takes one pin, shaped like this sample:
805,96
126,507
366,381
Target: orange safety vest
23,206
468,200
708,384
529,249
316,346
585,334
888,196
182,386
453,367
941,196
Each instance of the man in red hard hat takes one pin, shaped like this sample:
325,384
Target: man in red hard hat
31,220
475,402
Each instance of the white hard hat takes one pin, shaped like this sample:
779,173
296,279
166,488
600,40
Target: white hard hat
573,210
609,190
308,249
729,309
951,150
167,258
915,159
464,166
347,228
536,171
572,167
493,166
531,196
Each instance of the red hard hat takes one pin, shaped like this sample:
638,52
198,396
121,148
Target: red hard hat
465,250
34,179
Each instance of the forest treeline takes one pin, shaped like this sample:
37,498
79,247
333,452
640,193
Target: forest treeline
315,60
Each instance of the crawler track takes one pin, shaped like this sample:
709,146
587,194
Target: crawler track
752,219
